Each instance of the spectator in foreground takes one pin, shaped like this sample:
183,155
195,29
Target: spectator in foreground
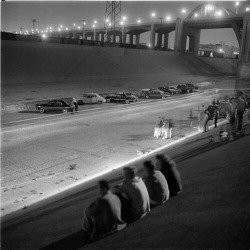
172,175
156,184
103,216
136,203
240,106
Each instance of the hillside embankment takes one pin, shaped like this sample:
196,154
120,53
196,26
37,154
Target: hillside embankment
34,71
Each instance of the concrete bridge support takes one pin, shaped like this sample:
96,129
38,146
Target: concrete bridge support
102,37
194,35
152,36
178,41
137,39
165,41
244,62
159,40
130,39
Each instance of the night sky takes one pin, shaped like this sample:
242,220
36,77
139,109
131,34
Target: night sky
52,13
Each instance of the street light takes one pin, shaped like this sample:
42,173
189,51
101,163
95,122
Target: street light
121,23
95,22
247,9
124,18
61,26
195,15
66,29
236,7
168,18
74,24
139,21
183,11
78,27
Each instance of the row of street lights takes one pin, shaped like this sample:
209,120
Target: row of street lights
124,19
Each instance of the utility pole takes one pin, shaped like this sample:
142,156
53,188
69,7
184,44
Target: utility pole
33,23
112,19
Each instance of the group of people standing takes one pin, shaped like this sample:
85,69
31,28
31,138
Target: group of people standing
132,199
236,108
163,128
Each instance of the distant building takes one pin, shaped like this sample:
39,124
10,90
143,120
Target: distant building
218,50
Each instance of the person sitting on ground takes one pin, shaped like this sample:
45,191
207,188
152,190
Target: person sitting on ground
103,216
172,175
136,203
156,184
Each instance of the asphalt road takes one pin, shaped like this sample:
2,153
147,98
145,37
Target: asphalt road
44,153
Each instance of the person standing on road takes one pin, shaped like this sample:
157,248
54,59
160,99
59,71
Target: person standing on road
240,106
72,106
216,115
170,128
205,120
76,104
165,129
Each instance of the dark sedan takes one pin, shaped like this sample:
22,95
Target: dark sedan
120,98
184,88
53,105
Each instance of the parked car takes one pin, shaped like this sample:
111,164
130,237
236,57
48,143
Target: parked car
143,91
156,94
128,94
191,85
90,98
184,88
120,98
166,90
53,105
174,89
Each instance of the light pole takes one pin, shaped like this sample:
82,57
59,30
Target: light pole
236,7
83,29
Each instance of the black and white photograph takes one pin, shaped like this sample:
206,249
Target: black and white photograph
125,125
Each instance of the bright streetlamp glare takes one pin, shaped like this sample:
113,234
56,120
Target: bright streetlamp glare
139,21
124,18
66,28
209,7
153,14
59,29
183,11
247,9
218,13
195,15
78,27
168,18
109,24
93,26
107,20
149,45
121,22
61,26
44,36
237,3
95,21
74,24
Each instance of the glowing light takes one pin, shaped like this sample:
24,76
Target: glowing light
183,11
149,45
121,22
153,14
78,27
109,24
50,28
93,26
95,22
195,15
41,31
218,13
66,29
124,18
209,7
107,20
74,24
237,3
44,36
168,18
247,9
139,21
221,50
59,29
61,26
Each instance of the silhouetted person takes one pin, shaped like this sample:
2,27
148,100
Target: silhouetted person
240,106
103,216
133,194
156,184
172,175
216,115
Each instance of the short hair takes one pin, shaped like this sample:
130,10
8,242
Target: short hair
131,171
103,184
149,166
